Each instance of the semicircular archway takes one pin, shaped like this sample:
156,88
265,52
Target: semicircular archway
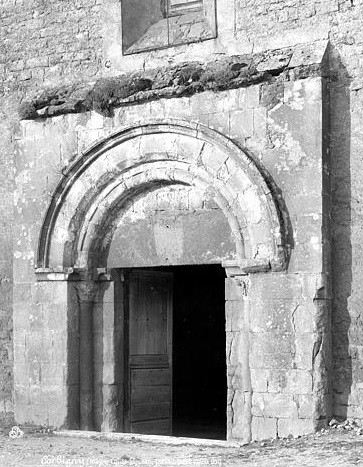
90,198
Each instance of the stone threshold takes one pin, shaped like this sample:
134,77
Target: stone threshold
158,439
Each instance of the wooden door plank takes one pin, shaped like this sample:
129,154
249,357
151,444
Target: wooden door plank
149,353
149,361
152,427
153,411
147,394
150,377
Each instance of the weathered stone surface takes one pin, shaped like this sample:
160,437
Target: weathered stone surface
270,318
295,427
49,44
183,79
236,289
264,428
162,229
274,405
292,381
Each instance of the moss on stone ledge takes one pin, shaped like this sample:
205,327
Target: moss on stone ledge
175,81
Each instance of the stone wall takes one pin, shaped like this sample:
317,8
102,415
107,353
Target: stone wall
281,127
173,225
244,26
55,42
42,44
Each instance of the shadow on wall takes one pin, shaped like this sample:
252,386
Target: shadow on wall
340,125
72,382
84,346
93,345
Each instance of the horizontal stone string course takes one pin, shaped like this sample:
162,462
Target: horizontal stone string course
180,80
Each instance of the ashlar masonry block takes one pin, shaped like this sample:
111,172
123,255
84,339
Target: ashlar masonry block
264,428
46,355
294,427
274,405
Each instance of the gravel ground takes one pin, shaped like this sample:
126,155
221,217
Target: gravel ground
336,447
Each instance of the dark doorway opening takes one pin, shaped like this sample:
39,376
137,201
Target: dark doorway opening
199,352
175,351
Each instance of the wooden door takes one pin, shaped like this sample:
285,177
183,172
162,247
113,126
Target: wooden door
149,355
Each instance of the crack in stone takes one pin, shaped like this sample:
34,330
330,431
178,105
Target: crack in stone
293,350
317,347
293,317
233,336
199,158
232,409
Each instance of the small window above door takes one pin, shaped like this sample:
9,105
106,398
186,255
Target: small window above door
156,24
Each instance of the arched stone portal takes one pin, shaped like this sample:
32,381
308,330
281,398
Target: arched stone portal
86,210
98,186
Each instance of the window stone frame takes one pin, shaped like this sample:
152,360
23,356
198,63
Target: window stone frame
149,25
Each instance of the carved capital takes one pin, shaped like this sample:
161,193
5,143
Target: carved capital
87,290
102,275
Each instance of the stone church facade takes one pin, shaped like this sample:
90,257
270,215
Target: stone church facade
147,142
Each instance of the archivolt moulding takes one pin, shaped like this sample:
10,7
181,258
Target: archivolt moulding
85,205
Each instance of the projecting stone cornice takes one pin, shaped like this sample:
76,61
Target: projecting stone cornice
184,79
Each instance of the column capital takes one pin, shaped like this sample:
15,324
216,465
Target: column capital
87,290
